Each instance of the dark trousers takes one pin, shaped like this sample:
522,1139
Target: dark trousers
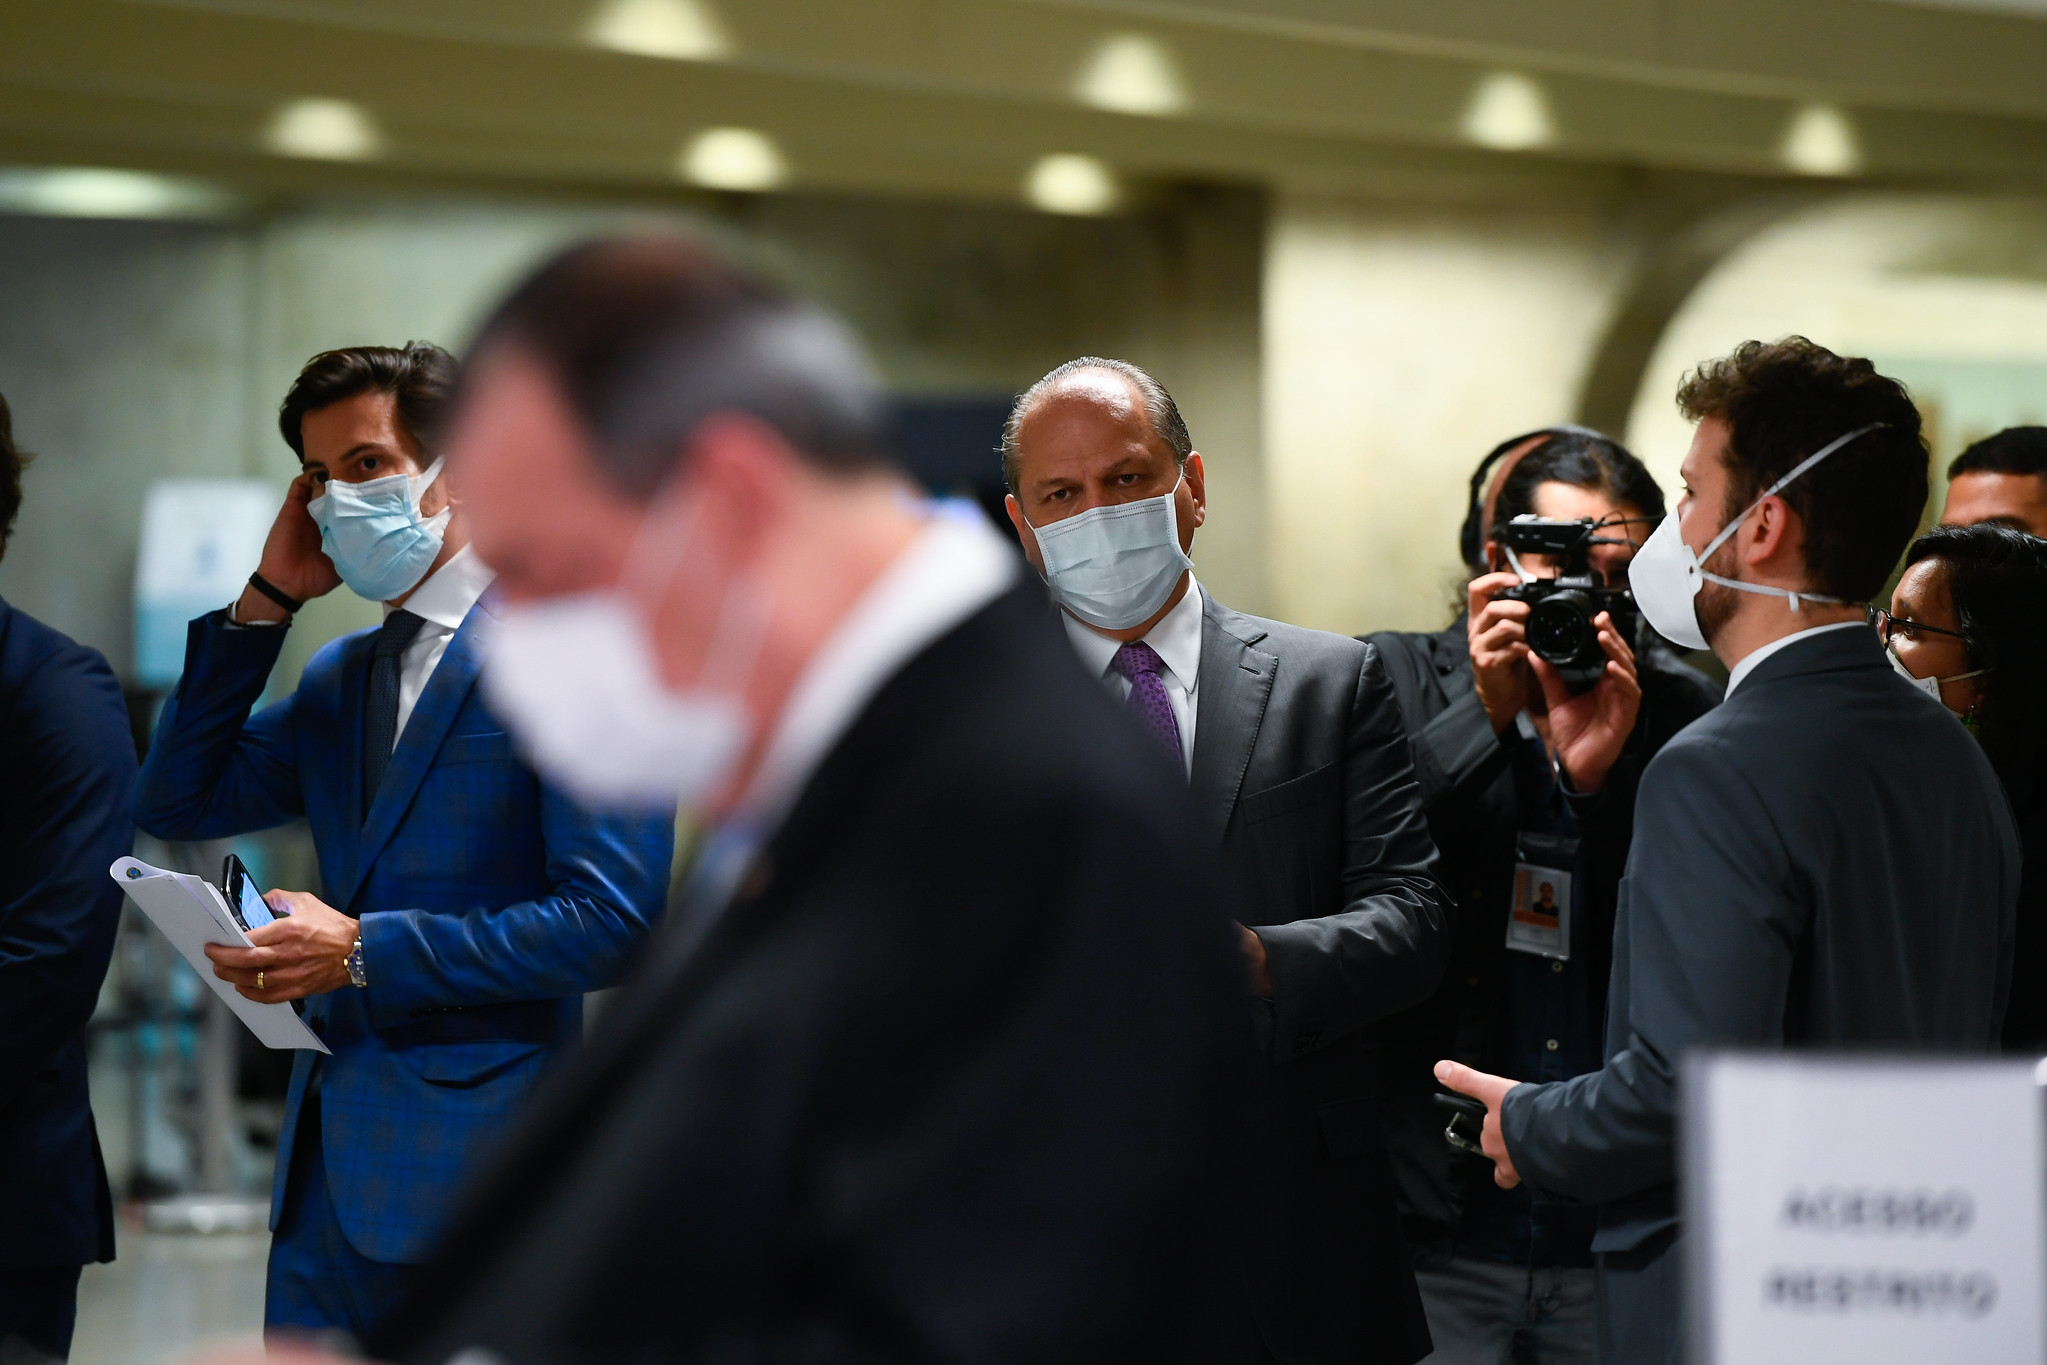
1484,1312
1641,1303
38,1309
318,1282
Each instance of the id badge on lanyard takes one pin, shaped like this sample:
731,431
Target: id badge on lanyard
1539,916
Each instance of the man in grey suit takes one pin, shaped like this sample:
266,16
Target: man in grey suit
1292,742
1824,861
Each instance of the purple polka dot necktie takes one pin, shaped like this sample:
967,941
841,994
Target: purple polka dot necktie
1139,663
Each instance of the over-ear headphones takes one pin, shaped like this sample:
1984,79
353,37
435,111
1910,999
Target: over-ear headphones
1471,539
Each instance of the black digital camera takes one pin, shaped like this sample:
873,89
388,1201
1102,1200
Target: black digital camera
1562,609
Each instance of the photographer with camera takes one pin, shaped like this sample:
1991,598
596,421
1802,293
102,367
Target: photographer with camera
1531,719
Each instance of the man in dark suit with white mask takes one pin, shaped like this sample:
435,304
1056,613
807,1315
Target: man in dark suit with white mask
1292,744
1826,860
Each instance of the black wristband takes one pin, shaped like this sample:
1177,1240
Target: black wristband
273,592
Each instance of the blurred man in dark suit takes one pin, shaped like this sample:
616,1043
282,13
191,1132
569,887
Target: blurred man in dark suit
1292,744
67,768
935,1058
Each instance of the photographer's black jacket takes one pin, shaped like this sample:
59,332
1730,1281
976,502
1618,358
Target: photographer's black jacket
1468,793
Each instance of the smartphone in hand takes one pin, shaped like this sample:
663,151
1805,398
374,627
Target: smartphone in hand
244,901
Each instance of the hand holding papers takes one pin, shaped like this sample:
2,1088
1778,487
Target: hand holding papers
191,913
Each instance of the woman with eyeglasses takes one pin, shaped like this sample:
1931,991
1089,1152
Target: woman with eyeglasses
1968,625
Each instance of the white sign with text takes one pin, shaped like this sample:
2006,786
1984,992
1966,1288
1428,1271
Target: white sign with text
1875,1210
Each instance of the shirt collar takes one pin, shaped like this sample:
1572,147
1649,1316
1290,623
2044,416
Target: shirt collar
448,593
1176,639
954,568
1748,665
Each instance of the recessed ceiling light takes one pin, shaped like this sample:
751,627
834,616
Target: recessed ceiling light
324,130
1069,183
1508,112
1821,140
1131,73
97,192
687,30
733,159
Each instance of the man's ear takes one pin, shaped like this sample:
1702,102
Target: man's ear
1024,535
439,494
1495,558
1196,474
1770,533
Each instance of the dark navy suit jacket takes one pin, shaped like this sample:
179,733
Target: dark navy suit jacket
67,768
489,903
1826,860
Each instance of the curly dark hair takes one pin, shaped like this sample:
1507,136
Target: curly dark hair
1997,580
420,375
12,461
1782,401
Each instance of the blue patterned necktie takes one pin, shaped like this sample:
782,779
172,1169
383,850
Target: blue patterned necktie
380,719
1139,663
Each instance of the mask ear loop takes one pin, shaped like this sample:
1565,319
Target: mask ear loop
1794,595
438,521
426,480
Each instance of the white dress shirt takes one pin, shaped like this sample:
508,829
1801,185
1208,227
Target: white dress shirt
954,568
1748,665
442,601
1176,639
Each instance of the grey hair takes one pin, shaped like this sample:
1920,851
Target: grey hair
796,368
1160,411
647,337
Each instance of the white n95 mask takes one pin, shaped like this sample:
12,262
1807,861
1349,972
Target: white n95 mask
576,681
1665,576
1930,686
1114,566
380,544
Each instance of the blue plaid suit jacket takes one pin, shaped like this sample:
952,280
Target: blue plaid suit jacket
489,903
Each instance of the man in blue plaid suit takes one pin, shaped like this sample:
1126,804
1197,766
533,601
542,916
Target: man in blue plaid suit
464,906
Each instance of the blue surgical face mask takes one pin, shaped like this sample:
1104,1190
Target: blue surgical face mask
1114,566
380,544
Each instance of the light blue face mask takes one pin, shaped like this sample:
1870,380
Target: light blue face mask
380,544
1114,566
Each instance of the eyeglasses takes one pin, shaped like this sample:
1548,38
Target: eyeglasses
1615,521
1887,625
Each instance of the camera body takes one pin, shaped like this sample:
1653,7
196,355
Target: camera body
1562,609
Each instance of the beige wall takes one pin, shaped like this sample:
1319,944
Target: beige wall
1401,344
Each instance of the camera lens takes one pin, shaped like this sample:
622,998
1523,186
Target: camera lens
1560,628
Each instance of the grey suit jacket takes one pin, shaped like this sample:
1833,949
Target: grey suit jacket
1825,860
1301,768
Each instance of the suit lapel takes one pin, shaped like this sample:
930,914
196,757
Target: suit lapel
1236,683
427,726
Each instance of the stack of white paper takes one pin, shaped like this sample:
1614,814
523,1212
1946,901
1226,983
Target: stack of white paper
192,913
